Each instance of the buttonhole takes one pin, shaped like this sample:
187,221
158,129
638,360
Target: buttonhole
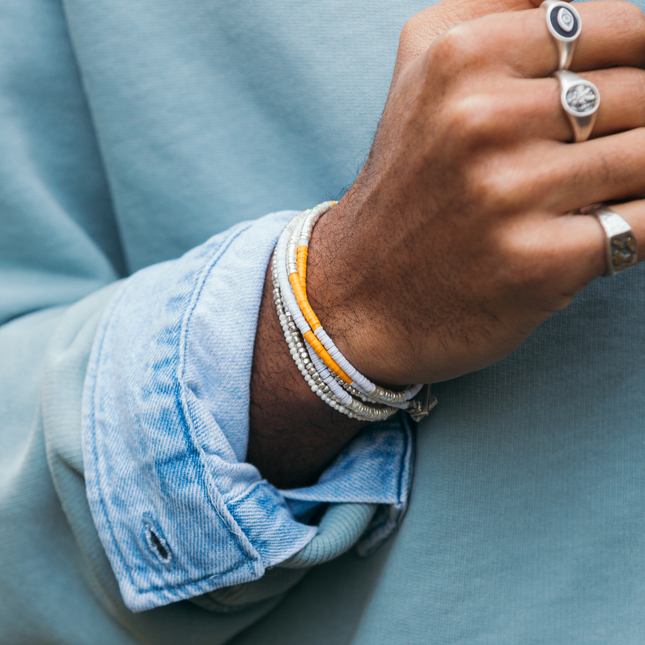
156,541
163,552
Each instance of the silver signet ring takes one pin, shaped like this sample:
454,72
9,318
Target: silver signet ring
564,23
580,100
621,246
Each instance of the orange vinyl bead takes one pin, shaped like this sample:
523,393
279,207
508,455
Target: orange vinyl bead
325,356
301,259
303,303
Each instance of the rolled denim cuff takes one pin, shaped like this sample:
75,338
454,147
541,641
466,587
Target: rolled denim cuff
165,428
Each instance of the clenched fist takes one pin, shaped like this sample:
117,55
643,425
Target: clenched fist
463,232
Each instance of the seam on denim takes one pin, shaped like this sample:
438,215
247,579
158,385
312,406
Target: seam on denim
202,585
243,542
247,492
407,431
200,582
115,547
92,402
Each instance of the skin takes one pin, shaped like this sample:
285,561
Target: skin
462,234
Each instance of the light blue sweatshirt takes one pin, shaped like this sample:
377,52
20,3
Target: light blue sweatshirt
132,132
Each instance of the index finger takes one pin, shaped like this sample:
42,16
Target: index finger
613,34
422,28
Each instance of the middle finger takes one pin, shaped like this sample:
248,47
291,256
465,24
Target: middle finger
613,34
531,108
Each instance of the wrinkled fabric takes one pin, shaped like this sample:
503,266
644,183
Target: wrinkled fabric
165,428
130,133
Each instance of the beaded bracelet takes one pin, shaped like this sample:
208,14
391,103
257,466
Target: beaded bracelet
329,374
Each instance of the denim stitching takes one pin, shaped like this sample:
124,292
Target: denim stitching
243,542
108,315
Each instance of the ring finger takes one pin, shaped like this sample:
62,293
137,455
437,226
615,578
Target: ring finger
531,108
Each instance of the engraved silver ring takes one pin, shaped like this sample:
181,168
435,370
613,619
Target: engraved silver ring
564,24
621,246
580,100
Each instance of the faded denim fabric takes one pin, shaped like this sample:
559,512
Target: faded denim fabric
165,427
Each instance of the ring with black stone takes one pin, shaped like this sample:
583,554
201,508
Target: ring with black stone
621,246
564,24
580,100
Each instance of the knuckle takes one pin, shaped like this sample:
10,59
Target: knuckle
455,49
488,194
522,257
494,189
410,30
536,265
472,120
419,31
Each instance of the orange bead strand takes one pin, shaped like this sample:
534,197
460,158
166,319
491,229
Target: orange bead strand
317,346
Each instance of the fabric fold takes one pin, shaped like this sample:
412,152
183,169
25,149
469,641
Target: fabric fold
166,424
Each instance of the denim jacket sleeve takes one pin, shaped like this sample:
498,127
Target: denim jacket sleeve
165,426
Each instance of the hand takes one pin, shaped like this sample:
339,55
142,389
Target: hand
456,241
458,238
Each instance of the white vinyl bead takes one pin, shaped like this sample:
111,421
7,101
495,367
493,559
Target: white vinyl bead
325,384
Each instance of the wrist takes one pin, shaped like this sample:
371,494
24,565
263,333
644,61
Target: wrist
293,435
348,291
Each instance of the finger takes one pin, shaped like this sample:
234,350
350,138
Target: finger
551,258
566,177
531,108
581,243
620,28
420,30
613,35
622,104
